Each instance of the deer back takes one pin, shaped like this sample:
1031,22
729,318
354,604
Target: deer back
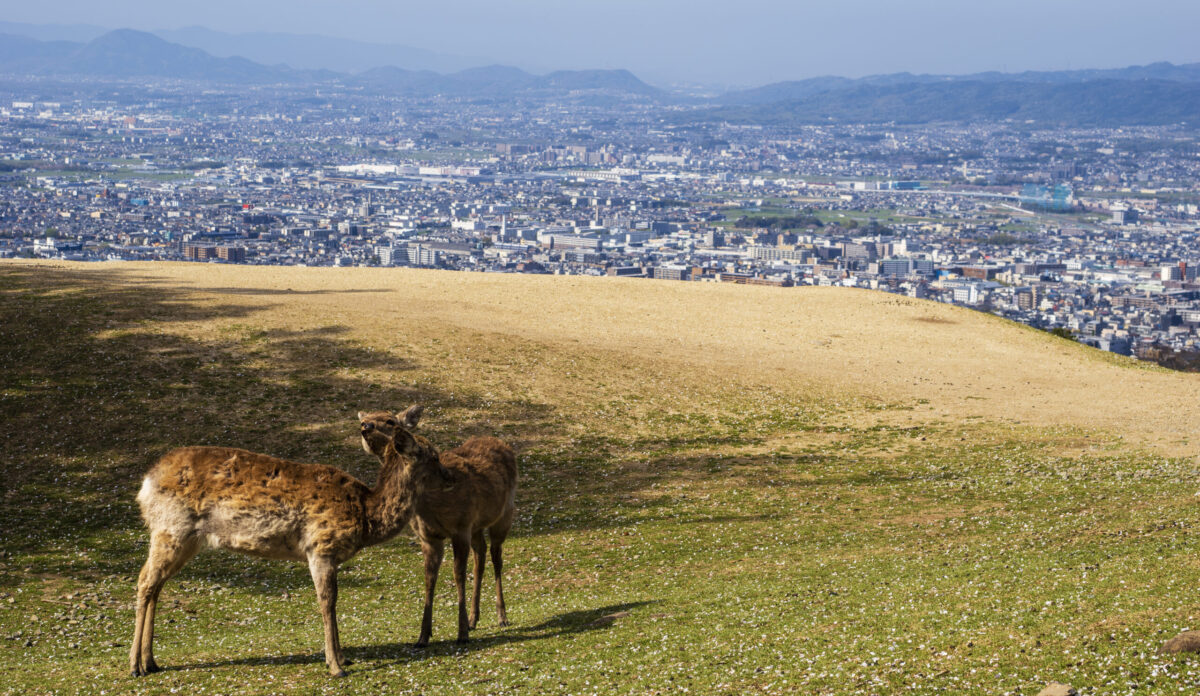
255,503
481,489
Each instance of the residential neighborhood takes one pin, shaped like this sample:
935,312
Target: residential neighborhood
1092,232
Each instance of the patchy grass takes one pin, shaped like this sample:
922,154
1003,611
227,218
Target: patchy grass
681,526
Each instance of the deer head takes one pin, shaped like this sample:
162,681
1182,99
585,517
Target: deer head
378,428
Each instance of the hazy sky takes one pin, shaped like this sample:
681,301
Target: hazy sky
714,41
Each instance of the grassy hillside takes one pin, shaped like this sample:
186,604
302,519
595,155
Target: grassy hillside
724,489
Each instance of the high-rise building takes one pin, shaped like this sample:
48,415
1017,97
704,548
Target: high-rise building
1027,298
199,251
232,254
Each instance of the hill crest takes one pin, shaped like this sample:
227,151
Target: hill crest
932,360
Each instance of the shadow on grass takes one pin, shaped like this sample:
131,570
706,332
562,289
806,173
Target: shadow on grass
288,291
95,386
565,624
584,491
98,381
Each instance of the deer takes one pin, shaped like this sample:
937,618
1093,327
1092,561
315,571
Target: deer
228,498
457,495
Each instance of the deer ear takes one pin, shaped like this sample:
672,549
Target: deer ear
361,416
410,417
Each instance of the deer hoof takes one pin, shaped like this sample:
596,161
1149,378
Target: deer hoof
462,639
338,674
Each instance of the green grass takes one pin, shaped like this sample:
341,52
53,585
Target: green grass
672,534
126,173
883,215
122,174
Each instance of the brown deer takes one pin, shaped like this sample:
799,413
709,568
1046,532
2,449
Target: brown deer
260,505
457,494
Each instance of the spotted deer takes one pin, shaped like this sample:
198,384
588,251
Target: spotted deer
457,495
229,498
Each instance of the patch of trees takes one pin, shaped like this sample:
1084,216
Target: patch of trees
793,222
202,164
280,164
999,239
1170,358
872,227
666,203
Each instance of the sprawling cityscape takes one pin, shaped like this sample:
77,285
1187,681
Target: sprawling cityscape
1091,232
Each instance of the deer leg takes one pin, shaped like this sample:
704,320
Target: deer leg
324,575
498,533
432,550
139,619
167,556
479,550
462,550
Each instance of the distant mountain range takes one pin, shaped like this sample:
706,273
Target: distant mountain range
1160,93
301,51
803,89
314,52
1155,94
1106,102
125,54
498,80
79,33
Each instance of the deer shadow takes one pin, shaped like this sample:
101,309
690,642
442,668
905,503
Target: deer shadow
399,653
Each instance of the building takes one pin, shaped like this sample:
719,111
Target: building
673,272
1122,215
1028,298
420,255
199,251
1065,171
572,241
864,251
766,253
895,267
751,279
979,272
232,254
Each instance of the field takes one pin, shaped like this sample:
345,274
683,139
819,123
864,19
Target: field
724,489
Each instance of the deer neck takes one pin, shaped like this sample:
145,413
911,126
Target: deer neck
401,479
390,503
428,472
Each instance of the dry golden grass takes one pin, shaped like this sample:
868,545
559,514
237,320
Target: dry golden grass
951,364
